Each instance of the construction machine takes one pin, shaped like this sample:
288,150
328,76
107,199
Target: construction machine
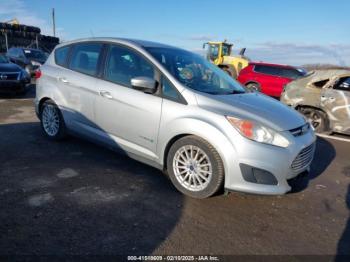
220,54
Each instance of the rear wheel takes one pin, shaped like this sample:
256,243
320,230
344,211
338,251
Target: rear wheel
317,118
52,122
195,167
231,71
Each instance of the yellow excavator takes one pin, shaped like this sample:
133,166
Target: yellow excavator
219,53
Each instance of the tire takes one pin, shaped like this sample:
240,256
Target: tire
318,118
52,122
190,173
253,87
231,71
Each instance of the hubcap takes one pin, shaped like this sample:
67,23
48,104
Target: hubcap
253,88
51,120
315,119
192,168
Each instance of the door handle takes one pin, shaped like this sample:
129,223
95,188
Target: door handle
62,79
106,94
327,98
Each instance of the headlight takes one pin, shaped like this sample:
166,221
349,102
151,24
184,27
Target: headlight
24,74
34,63
257,132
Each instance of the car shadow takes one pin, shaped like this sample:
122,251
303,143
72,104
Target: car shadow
324,155
76,198
343,250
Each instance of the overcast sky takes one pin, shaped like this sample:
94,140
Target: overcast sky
290,32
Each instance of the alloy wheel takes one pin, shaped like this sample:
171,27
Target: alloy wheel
192,168
51,120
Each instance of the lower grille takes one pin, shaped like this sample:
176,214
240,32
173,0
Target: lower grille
304,158
9,76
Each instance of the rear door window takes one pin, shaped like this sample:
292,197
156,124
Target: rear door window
85,58
268,70
123,64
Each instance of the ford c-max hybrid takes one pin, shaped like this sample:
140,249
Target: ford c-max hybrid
172,109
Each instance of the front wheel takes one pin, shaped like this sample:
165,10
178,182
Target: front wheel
52,122
317,118
195,167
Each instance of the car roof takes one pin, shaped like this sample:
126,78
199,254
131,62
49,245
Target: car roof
271,64
25,48
128,41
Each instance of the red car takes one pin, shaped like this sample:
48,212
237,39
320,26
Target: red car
269,78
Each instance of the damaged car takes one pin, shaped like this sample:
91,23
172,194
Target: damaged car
323,97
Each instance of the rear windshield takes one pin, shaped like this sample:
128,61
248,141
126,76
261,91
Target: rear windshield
34,54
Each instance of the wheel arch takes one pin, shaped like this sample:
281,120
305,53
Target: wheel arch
328,122
252,82
298,106
168,146
41,102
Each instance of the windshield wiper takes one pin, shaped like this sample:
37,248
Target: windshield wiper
234,92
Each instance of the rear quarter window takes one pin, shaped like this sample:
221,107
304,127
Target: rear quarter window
61,55
321,83
84,58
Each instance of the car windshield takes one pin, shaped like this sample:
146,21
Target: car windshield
195,72
34,54
3,59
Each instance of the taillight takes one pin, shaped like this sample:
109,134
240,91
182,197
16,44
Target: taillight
37,74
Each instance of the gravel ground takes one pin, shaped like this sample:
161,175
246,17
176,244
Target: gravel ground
77,198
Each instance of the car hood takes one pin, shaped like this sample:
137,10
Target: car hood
253,106
9,67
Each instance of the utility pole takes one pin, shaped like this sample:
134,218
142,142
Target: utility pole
6,42
53,22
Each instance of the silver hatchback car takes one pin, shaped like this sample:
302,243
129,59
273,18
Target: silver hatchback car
172,109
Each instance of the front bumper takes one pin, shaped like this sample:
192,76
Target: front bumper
282,163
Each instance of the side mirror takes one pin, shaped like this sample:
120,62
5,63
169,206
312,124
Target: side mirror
145,84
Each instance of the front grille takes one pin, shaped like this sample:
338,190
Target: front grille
304,158
9,76
300,130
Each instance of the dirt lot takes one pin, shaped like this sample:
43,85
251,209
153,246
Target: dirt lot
74,197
